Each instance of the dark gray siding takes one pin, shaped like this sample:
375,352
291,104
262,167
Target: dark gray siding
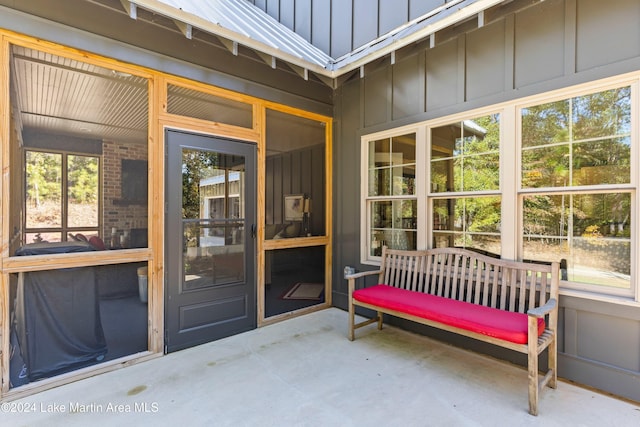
605,36
524,51
408,87
531,63
444,75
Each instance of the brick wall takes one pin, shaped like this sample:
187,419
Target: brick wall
117,213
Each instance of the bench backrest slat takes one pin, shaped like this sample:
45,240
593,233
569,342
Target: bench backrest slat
468,276
408,270
513,291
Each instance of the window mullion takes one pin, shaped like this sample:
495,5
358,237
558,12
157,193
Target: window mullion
511,224
65,197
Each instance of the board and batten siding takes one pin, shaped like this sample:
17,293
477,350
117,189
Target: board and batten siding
341,26
529,50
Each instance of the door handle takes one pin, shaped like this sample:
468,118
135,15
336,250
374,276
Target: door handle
254,230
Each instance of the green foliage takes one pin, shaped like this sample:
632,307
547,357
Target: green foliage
83,173
196,165
44,176
579,141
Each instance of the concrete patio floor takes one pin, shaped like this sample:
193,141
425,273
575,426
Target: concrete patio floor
304,372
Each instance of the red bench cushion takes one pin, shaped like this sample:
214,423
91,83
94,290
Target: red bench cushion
488,321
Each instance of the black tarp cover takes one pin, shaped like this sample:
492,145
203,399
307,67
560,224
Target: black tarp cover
58,314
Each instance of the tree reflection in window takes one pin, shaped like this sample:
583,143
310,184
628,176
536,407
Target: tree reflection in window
584,140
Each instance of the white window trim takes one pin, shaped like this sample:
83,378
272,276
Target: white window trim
510,189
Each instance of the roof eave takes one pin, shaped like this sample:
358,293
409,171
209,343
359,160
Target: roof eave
412,32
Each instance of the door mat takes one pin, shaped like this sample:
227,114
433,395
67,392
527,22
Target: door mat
305,291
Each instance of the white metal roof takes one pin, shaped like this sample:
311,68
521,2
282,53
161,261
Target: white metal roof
240,22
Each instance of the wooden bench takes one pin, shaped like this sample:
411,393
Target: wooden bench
506,303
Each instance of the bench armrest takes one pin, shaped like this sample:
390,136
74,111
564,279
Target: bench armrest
543,310
352,278
362,274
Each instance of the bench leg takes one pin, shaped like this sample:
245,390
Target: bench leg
379,320
532,364
553,362
352,319
533,383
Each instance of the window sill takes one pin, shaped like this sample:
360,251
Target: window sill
600,297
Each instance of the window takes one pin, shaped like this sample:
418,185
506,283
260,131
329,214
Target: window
576,155
550,179
391,194
465,161
62,195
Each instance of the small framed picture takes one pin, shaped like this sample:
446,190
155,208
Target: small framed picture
293,207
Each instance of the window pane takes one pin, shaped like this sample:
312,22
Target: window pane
404,178
465,155
404,149
212,218
44,189
467,222
579,141
545,167
379,182
380,153
382,214
602,162
590,231
602,114
546,216
392,166
394,225
545,124
481,172
441,179
82,191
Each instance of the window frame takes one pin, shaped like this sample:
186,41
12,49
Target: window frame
64,228
367,201
630,188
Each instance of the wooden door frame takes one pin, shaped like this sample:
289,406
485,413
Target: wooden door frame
159,118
